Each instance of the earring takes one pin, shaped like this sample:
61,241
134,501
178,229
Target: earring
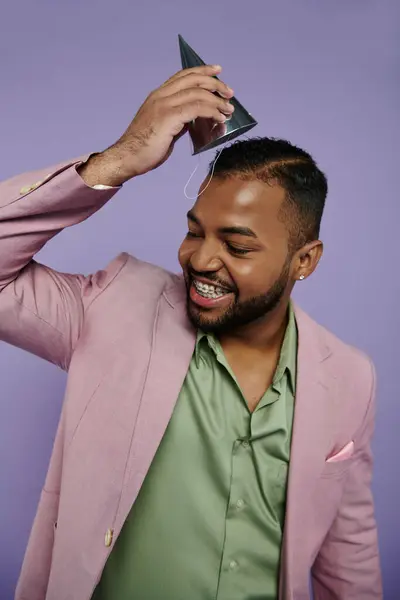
301,277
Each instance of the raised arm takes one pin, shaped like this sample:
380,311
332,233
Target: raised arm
41,310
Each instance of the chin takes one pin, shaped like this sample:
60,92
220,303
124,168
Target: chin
202,318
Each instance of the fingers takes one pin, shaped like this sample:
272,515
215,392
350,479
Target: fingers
191,111
189,96
186,96
193,80
210,70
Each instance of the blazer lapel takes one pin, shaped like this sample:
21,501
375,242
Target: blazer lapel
309,444
172,348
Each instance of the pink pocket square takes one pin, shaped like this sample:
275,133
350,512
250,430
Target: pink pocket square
345,452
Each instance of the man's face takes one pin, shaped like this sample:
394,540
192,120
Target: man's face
235,256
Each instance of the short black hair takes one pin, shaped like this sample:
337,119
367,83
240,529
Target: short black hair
273,160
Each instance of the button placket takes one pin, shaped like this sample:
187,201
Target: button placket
231,559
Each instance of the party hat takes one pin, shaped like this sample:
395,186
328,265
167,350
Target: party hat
206,133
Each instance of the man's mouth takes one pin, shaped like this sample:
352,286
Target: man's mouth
208,290
209,295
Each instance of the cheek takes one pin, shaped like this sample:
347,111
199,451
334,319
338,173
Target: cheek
184,253
252,278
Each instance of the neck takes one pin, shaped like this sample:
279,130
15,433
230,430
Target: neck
263,335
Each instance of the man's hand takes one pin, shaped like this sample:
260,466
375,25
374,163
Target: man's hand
161,120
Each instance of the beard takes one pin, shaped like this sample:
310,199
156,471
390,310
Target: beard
239,314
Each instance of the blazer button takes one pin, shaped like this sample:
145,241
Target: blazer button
25,190
29,188
108,538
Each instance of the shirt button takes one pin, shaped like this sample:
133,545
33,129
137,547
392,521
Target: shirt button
245,444
108,538
233,565
239,504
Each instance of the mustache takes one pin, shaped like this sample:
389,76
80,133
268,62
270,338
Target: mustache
211,277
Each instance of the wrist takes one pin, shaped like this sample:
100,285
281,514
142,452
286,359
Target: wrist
105,168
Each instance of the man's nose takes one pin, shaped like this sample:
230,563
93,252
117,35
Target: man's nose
206,258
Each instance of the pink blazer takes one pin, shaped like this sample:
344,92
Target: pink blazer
123,337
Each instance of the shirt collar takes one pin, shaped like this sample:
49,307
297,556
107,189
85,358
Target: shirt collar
201,339
288,357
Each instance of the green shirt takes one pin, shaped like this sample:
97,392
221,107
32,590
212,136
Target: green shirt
208,521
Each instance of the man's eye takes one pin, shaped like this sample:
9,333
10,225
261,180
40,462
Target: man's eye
236,249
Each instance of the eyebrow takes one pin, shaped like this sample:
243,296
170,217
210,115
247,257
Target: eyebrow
234,230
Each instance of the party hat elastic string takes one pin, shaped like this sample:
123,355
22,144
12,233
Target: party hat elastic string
209,181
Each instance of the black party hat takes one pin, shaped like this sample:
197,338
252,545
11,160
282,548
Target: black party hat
205,133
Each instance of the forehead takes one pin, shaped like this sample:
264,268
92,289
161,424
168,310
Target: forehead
232,201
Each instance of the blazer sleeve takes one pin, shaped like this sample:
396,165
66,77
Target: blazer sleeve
347,566
41,310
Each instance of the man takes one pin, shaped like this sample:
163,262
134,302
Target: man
214,441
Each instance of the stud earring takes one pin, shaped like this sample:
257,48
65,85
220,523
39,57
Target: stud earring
301,277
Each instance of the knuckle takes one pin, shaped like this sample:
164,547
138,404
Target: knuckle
194,94
203,94
195,81
192,76
198,105
156,104
197,108
179,110
202,81
178,96
186,96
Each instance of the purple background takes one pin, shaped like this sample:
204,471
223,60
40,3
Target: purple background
324,74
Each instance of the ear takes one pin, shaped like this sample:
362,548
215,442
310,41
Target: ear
306,260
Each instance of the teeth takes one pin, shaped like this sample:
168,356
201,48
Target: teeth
208,290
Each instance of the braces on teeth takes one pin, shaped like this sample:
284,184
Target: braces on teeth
208,291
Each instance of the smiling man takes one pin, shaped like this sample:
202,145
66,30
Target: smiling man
214,441
250,202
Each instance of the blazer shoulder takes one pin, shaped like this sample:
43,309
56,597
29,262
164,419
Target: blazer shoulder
149,274
130,278
355,376
347,361
346,351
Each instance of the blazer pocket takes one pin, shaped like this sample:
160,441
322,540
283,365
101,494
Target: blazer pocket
336,469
